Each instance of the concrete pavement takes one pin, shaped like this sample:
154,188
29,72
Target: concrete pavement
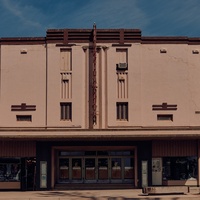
126,194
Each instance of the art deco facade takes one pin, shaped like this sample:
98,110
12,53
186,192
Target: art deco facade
99,107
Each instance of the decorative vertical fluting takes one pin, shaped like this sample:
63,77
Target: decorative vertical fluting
94,85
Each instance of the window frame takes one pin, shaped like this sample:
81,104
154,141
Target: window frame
63,66
24,118
122,111
66,111
165,117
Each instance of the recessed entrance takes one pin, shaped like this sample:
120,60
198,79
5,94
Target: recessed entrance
95,167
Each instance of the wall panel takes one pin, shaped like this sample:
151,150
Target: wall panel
17,149
163,148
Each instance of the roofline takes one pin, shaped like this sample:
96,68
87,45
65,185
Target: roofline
113,36
22,40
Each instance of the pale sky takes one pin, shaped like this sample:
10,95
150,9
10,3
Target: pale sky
31,18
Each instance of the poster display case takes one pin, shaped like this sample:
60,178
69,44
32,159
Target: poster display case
10,173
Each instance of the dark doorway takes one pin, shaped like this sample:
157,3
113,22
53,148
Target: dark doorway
28,174
31,173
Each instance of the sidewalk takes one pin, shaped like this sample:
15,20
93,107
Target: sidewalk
130,194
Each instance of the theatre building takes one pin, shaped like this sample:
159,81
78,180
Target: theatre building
99,108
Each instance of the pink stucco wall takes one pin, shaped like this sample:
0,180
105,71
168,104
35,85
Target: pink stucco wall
152,78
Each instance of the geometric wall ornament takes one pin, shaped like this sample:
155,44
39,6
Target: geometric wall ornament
122,85
164,106
23,107
66,85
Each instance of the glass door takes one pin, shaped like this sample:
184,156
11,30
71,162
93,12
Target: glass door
76,170
128,169
90,170
63,169
116,169
96,167
103,170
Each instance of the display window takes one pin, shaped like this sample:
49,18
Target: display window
180,168
10,169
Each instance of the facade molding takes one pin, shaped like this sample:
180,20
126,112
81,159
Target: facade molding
100,134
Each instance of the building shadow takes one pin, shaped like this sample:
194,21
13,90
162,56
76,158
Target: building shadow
90,196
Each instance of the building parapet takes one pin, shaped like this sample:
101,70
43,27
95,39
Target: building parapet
115,36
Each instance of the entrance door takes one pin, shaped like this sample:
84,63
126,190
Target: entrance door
76,170
63,169
96,167
116,169
70,170
128,170
28,174
90,170
96,170
103,170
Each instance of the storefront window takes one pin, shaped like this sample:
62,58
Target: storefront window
10,169
179,168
